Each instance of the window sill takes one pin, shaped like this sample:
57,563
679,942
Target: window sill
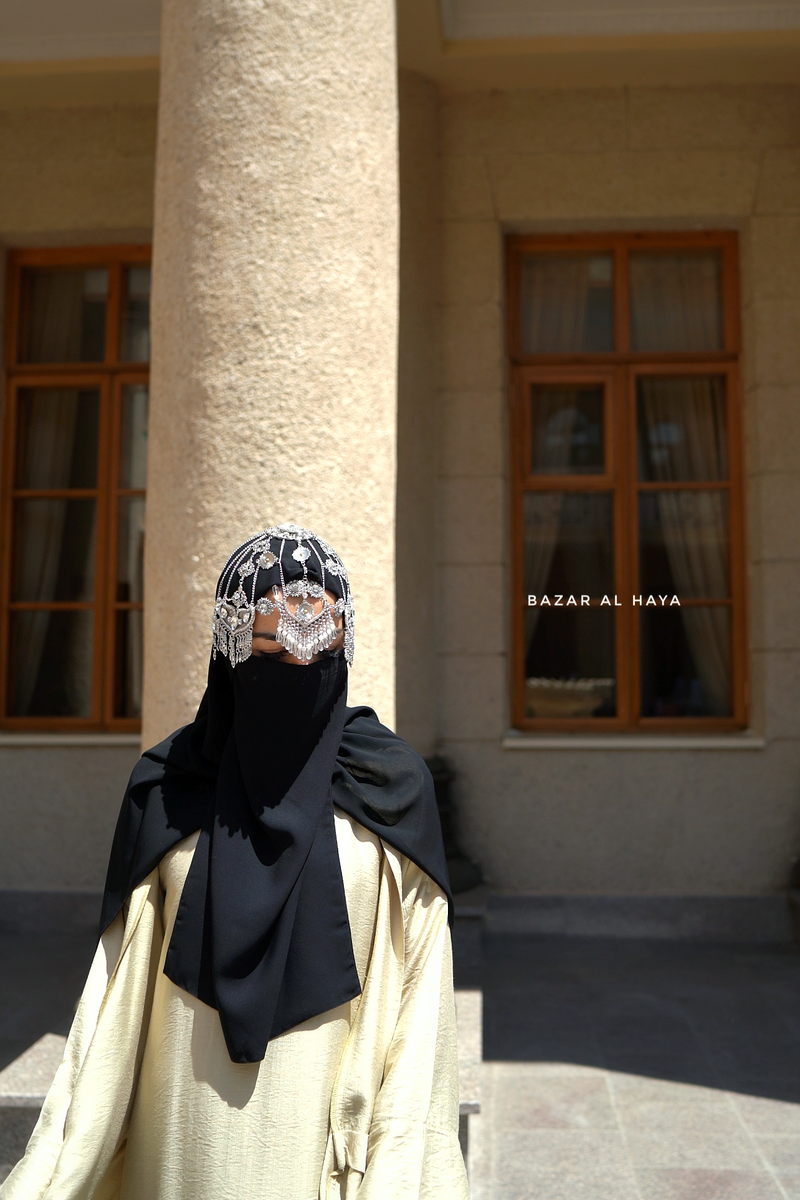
745,740
9,738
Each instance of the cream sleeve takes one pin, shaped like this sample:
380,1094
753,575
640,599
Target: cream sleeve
413,1151
76,1149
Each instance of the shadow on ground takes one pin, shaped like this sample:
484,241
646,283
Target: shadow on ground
41,978
709,1015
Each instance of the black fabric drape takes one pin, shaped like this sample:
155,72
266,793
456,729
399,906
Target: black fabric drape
262,932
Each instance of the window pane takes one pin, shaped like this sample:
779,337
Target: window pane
567,303
568,544
567,431
676,301
54,543
57,438
130,548
569,665
133,446
686,662
64,314
128,641
682,428
135,332
50,668
683,544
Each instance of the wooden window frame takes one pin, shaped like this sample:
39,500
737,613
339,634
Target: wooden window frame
618,370
108,377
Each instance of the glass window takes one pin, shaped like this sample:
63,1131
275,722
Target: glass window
627,490
567,431
676,302
682,428
683,544
686,662
133,442
567,303
63,314
568,562
76,492
50,664
135,331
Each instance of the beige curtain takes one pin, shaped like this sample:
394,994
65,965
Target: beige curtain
676,302
56,316
555,293
51,417
555,416
685,439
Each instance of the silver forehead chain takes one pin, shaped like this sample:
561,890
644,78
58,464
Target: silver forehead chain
302,631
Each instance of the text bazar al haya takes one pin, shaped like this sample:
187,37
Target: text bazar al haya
562,601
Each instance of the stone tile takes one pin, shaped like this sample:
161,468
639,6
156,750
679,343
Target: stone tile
765,1116
465,191
470,520
687,1136
545,1070
664,1066
782,694
533,1184
644,1089
771,346
721,117
526,1100
67,194
472,433
778,188
706,1185
473,700
472,262
579,1153
135,130
473,620
527,122
780,588
472,347
622,185
782,1153
779,516
773,253
776,415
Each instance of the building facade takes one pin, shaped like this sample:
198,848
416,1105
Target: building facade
509,313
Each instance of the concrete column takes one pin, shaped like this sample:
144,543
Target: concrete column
274,317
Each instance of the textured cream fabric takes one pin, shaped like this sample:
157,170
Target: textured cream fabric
361,1102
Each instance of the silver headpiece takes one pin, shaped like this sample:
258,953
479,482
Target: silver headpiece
301,631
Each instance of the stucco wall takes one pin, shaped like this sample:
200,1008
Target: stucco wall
58,808
76,173
416,411
619,822
75,168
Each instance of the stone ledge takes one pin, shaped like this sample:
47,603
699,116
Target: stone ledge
744,919
26,912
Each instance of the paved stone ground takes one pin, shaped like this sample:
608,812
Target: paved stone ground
614,1070
619,1070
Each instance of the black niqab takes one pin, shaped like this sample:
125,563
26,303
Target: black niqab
262,932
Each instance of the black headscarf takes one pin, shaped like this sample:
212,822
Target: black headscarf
262,932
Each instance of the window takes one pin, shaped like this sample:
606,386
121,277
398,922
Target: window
73,487
627,524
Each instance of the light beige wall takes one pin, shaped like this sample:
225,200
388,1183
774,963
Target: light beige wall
77,157
416,411
58,809
72,170
619,822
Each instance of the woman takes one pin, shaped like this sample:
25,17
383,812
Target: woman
270,1013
